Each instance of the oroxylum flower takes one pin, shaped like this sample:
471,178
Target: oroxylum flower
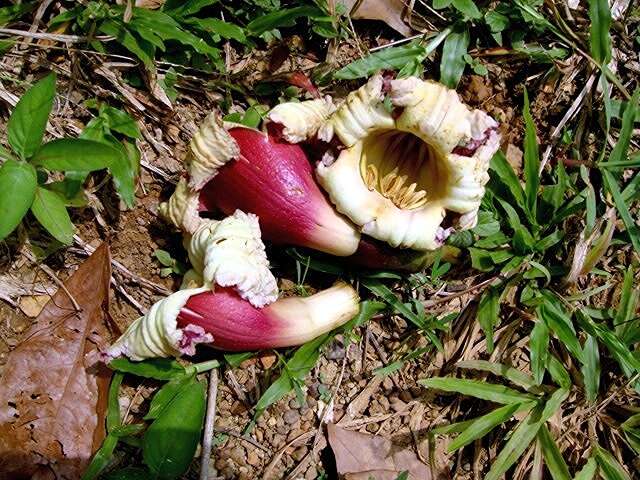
248,170
230,300
410,153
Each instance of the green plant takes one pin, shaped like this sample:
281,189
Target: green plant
24,176
170,264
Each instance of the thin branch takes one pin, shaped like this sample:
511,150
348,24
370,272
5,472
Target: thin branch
205,459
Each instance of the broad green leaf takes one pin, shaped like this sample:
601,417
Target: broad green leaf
183,8
13,12
560,324
124,169
235,359
496,21
600,16
28,120
440,4
297,368
170,443
631,428
157,368
390,58
120,121
589,470
610,469
591,368
285,17
368,309
75,154
623,209
512,374
558,373
468,8
479,427
488,313
486,260
524,433
531,161
220,27
18,182
165,395
452,64
478,389
144,51
508,177
49,209
539,349
552,455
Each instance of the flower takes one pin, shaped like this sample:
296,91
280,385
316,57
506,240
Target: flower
410,154
299,121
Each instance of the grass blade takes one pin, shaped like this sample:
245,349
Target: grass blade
488,314
561,325
531,160
480,426
539,349
514,375
617,157
610,469
591,368
623,209
552,456
524,433
600,16
589,470
508,177
453,63
478,389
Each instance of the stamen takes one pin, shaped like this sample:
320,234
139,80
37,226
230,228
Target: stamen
371,179
385,183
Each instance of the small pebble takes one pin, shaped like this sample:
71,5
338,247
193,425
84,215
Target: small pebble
405,396
299,453
291,416
252,458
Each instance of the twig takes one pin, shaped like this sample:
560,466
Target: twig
482,285
205,459
244,438
56,37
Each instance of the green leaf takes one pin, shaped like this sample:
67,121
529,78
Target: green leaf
164,257
296,369
589,470
113,406
49,209
13,12
28,120
480,426
143,50
508,177
618,156
285,17
623,209
124,169
524,433
591,368
120,122
185,8
488,313
539,348
157,368
512,374
220,27
453,63
18,182
390,58
531,160
467,7
496,21
368,309
478,389
101,459
440,4
166,394
170,443
627,306
560,324
600,40
552,456
68,154
610,469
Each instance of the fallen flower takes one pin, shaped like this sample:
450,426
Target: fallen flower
410,152
275,181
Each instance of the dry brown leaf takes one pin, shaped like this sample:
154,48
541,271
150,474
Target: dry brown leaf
359,456
54,389
32,305
389,11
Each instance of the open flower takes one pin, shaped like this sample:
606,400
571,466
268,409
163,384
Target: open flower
412,153
230,300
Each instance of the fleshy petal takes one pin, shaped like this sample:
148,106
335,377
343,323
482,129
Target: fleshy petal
301,120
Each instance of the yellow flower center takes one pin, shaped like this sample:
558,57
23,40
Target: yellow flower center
403,168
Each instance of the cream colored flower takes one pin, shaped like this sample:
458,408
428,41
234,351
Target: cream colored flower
229,253
405,168
301,120
210,148
182,208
